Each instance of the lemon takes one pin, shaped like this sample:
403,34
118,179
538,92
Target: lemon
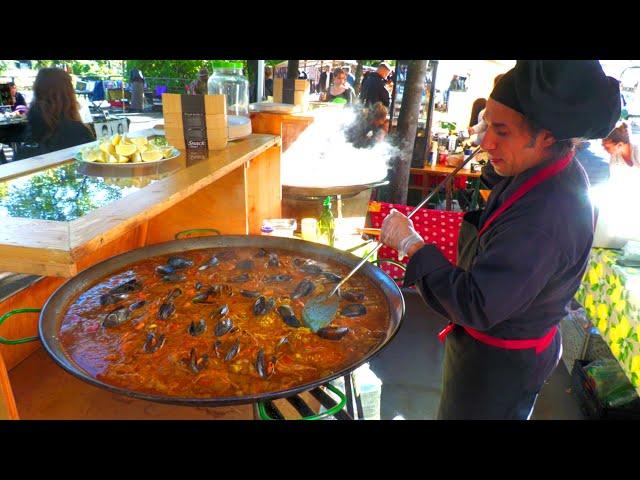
126,150
112,159
142,148
152,156
116,139
139,140
167,152
123,159
136,157
106,147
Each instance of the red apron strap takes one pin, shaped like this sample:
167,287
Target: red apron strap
537,179
539,344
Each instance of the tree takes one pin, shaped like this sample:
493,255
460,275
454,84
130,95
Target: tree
358,76
406,132
292,69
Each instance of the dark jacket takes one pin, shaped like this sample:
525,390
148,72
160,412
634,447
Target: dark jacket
529,264
68,133
373,91
19,101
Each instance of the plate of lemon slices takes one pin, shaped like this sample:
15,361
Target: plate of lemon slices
124,150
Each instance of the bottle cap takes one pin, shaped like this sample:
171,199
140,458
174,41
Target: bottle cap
266,229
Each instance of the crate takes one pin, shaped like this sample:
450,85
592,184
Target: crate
591,406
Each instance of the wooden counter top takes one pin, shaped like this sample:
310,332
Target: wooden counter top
53,248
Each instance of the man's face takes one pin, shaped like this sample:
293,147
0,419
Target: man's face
509,142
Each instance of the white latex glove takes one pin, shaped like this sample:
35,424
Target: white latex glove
398,233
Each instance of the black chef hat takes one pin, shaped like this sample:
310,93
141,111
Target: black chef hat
570,98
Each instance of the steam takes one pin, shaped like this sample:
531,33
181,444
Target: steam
322,156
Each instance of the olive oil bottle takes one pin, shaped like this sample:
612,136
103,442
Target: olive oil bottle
326,224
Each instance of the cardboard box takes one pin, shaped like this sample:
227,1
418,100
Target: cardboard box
215,104
216,122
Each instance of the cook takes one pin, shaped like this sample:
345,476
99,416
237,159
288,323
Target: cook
520,260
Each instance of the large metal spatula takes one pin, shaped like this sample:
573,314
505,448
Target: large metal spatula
320,311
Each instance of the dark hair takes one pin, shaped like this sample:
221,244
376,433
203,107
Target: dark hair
559,149
11,84
620,134
55,97
477,106
339,71
497,79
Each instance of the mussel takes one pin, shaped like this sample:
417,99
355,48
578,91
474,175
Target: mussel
262,306
332,333
174,278
179,263
332,277
351,296
223,326
219,312
112,298
153,343
273,260
249,293
278,278
240,278
197,364
304,288
260,364
233,351
245,265
212,262
166,310
165,270
116,317
288,316
197,328
354,310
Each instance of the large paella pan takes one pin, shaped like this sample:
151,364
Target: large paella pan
216,320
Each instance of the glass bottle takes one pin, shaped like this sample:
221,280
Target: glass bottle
227,79
326,224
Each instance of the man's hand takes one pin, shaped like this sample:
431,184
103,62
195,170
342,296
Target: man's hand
398,233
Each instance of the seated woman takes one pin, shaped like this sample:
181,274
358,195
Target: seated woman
54,115
15,98
340,88
622,151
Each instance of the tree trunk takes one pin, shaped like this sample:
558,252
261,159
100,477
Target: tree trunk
406,131
292,68
358,76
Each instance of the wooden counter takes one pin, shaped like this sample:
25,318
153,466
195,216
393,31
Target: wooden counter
231,190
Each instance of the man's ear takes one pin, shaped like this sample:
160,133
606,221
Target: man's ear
547,138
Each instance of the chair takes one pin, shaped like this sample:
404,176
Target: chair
437,227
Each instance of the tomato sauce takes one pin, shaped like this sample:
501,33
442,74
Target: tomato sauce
185,326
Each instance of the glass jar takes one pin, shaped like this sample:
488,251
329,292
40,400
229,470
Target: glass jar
227,79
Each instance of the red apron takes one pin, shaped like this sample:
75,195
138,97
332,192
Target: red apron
539,344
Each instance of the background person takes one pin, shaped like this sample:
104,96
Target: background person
54,119
136,79
268,81
374,87
623,152
340,88
199,85
521,260
15,98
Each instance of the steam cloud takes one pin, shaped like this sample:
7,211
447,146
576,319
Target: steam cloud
322,157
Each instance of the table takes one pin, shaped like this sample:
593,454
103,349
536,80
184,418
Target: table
441,170
12,131
610,294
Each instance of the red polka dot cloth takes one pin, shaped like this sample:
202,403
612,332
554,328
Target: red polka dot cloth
437,227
